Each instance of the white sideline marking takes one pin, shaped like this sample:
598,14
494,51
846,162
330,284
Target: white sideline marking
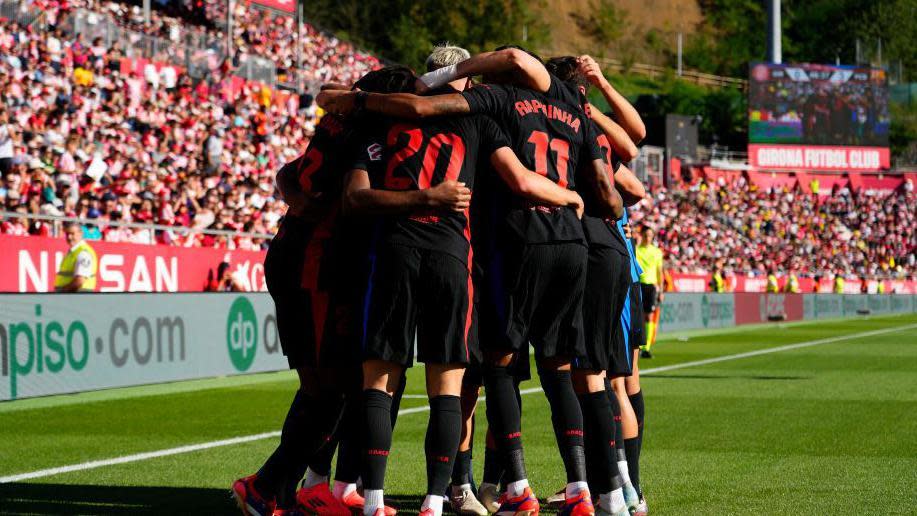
267,435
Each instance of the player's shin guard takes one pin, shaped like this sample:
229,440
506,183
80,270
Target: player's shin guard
377,406
443,435
567,418
505,420
601,452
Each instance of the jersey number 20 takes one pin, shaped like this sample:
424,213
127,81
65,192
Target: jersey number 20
430,156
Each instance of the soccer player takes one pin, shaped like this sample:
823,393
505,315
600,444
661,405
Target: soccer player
421,275
309,186
542,251
608,282
650,258
624,388
297,272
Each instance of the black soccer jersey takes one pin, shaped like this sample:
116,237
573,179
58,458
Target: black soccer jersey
550,134
403,155
318,171
599,229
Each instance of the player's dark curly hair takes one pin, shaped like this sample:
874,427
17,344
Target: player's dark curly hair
566,68
391,79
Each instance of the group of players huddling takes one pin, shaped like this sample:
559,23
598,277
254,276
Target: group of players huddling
480,220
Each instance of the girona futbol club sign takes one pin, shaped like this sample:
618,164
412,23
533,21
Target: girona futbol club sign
818,157
806,116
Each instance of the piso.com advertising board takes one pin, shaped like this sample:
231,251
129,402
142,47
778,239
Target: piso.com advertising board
54,344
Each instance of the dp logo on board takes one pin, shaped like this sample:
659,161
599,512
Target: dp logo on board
242,333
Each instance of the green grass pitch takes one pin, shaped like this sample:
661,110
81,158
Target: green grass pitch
823,429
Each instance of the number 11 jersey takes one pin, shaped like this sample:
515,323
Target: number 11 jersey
550,133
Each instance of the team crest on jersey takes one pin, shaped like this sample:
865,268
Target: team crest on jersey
375,152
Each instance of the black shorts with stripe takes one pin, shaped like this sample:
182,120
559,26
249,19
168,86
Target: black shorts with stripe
537,298
317,279
607,284
418,291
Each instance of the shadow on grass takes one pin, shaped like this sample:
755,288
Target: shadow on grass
67,499
724,377
25,498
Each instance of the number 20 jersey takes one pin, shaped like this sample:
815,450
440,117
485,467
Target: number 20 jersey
400,155
550,134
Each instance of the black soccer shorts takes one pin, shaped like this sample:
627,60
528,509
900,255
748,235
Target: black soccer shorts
638,320
539,300
650,297
413,290
607,284
318,295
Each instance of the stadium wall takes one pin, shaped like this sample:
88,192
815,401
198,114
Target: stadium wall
707,311
28,265
66,343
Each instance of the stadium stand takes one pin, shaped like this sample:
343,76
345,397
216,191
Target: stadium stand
109,138
106,141
741,228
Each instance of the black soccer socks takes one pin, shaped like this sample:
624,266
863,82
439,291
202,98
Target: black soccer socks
301,437
377,407
505,420
633,458
351,432
619,429
633,461
567,418
461,471
444,432
493,467
601,451
636,401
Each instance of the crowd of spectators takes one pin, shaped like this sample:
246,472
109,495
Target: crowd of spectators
255,32
79,137
84,139
737,228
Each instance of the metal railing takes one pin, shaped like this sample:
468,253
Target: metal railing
56,222
21,11
655,72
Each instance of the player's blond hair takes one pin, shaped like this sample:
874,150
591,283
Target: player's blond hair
446,55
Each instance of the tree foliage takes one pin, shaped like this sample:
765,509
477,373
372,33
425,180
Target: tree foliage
404,31
734,32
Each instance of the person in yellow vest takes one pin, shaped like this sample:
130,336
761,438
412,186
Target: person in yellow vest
772,286
838,284
650,259
792,284
718,282
77,271
880,287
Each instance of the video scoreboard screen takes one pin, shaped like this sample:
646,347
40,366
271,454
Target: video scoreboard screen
818,117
